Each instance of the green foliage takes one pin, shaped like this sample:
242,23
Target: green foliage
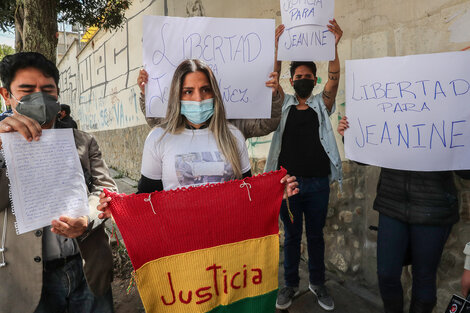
7,14
107,14
5,50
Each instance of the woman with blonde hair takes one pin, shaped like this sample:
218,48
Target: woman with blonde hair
194,144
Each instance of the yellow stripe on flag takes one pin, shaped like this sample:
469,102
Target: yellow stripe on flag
199,281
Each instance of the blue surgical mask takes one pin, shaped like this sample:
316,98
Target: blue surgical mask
197,112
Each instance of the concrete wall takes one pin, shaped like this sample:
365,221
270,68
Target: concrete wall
64,41
100,84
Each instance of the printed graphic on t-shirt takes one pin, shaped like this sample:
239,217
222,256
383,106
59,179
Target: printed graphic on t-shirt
201,168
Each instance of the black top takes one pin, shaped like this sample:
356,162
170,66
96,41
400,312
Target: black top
302,153
412,197
66,122
147,185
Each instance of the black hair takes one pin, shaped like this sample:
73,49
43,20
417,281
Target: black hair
295,64
21,60
65,108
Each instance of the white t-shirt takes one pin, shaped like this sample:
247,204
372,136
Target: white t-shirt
189,158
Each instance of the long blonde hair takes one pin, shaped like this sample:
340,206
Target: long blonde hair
174,122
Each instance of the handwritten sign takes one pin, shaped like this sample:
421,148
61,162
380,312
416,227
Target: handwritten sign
303,12
306,43
411,112
46,178
240,52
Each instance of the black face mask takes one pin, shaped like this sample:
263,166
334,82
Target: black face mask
303,87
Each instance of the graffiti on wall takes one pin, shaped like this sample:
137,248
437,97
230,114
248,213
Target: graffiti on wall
100,83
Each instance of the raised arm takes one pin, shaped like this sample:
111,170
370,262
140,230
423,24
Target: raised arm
343,124
142,80
277,63
466,273
331,87
262,127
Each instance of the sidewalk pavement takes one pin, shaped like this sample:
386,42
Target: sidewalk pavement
348,297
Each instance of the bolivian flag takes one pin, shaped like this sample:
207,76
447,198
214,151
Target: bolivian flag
213,248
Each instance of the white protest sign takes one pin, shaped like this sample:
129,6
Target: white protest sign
240,52
302,12
306,43
409,113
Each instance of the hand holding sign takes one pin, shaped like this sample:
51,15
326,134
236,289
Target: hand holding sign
273,83
343,124
277,34
336,30
142,80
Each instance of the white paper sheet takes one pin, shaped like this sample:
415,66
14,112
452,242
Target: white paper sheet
240,52
411,112
303,12
46,178
306,43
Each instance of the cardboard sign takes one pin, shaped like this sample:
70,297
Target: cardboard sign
303,12
410,112
306,43
240,52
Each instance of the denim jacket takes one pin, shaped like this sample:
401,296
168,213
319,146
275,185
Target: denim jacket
326,133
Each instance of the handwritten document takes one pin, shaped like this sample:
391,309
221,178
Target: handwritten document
303,12
46,178
240,52
410,112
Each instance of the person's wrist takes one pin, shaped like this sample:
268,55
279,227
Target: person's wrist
466,251
86,230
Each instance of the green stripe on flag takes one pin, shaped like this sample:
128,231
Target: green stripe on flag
260,304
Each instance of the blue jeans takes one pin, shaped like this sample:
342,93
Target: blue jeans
65,290
424,243
311,202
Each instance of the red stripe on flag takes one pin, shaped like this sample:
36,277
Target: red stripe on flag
194,218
